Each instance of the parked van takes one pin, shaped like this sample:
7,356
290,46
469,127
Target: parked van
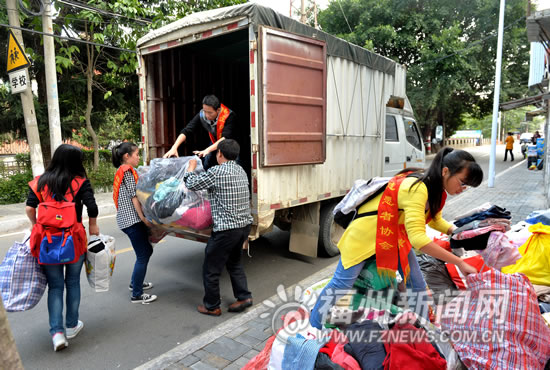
311,109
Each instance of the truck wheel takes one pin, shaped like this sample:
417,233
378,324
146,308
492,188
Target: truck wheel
329,231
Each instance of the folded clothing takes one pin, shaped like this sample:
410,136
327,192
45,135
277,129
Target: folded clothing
493,212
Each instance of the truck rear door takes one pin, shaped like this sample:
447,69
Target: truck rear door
293,99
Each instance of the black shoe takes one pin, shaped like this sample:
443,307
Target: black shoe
146,285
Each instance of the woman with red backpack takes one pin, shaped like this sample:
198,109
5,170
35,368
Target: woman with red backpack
64,181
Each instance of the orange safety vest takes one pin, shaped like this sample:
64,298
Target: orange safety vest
119,176
392,242
222,117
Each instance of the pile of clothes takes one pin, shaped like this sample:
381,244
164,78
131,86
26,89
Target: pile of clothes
498,318
165,199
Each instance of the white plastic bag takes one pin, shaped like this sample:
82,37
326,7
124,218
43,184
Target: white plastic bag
100,262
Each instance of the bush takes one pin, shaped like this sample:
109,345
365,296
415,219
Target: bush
15,188
102,179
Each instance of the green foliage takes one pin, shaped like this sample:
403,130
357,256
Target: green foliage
102,178
448,47
15,188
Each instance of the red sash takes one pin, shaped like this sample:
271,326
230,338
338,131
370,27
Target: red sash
222,117
392,242
119,176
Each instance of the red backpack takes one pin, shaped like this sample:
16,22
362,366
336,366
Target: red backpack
57,237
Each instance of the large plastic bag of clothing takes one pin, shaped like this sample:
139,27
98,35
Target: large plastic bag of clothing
165,199
22,279
535,260
496,324
100,262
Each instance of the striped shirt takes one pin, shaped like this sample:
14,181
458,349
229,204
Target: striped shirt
227,186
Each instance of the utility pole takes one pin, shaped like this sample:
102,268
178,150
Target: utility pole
496,97
303,12
31,126
51,78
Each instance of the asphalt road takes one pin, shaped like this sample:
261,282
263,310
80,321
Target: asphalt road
120,335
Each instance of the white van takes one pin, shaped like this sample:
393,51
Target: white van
403,146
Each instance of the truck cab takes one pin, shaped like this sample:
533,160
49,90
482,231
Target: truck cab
403,145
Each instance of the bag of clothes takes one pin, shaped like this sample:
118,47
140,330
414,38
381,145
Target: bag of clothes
165,199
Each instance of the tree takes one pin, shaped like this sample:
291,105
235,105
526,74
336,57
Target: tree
9,357
448,47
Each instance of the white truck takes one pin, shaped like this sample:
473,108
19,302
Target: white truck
312,110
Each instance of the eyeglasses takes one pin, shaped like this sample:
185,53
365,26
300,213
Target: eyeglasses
462,185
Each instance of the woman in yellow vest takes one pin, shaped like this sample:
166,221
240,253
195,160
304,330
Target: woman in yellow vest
398,222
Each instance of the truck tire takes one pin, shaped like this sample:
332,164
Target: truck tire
329,231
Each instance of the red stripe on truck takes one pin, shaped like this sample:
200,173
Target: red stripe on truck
173,43
253,119
251,56
275,206
206,34
254,161
141,94
302,200
255,185
233,25
252,89
153,48
142,118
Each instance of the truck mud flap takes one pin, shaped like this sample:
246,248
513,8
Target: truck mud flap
304,232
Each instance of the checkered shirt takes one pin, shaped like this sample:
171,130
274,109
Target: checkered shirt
228,192
126,215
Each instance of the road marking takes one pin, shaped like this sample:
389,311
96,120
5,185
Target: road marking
131,249
24,231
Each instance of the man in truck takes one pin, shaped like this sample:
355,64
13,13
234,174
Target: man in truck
219,123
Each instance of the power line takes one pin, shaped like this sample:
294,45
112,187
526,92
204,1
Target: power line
101,11
68,38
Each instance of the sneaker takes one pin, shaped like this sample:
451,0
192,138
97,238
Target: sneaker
144,298
59,342
146,286
73,332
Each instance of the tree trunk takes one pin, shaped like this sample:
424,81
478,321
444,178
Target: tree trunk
9,357
89,106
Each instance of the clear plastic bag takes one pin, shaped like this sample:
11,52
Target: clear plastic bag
165,199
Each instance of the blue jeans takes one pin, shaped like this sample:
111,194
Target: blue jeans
139,238
344,279
59,276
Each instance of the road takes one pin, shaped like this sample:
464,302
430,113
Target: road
482,155
121,335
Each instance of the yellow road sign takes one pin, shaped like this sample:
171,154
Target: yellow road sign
16,56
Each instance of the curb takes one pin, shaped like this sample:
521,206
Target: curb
183,350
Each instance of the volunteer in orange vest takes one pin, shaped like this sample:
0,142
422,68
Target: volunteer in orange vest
219,123
412,199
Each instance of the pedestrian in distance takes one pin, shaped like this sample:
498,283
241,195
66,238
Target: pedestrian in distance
534,138
396,222
227,186
218,121
509,147
130,218
65,175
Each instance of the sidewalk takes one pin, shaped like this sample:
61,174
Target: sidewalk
13,218
232,344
